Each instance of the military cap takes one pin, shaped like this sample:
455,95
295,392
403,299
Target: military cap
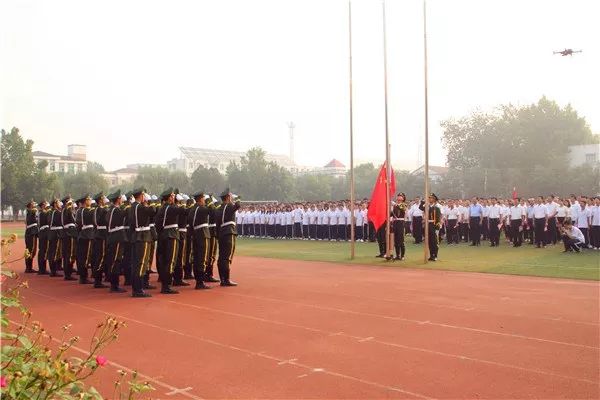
98,196
43,201
196,195
67,199
434,196
167,193
225,193
114,196
401,194
138,191
31,203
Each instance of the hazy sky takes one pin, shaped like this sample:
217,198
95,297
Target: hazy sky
133,80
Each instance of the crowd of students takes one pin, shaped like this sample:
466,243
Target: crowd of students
539,221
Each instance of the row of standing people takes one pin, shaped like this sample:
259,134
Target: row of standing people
118,235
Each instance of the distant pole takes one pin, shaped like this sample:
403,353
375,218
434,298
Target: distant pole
426,216
387,141
352,218
291,126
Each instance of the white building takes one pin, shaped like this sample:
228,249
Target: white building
75,161
436,173
192,158
120,176
333,168
584,154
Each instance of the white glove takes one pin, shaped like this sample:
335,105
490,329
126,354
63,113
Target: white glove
147,197
123,197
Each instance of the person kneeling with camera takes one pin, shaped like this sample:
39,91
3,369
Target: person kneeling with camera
572,237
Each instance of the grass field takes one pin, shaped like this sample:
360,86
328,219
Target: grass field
526,260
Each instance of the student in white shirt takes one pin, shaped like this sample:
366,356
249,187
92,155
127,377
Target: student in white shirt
417,221
494,222
595,219
573,237
289,223
341,225
583,220
517,218
305,223
452,215
540,221
359,223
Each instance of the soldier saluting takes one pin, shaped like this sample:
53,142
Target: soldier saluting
199,225
31,234
227,234
434,220
398,219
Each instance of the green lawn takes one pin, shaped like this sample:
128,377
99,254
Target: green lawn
526,260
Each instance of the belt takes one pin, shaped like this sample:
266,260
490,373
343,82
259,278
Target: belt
399,219
170,226
182,229
116,228
212,225
100,227
83,228
201,226
142,229
228,223
69,225
56,228
43,227
152,225
30,226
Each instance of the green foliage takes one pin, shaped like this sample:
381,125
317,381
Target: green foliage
93,166
157,179
33,367
524,147
83,182
208,180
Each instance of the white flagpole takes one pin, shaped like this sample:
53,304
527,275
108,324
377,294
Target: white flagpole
426,166
352,218
387,142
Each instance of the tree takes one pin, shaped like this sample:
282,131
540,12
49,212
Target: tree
84,182
93,166
208,180
154,179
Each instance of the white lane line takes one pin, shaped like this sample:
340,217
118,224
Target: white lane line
285,361
237,349
419,349
394,318
366,339
179,391
124,368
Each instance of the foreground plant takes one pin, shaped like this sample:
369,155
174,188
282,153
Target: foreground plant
36,365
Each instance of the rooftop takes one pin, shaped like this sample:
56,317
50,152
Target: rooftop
213,156
335,164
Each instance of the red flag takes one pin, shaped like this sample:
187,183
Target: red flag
514,193
377,212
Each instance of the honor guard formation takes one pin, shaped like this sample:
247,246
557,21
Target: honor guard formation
103,238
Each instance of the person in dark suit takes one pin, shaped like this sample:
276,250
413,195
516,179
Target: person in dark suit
227,234
43,229
117,239
138,218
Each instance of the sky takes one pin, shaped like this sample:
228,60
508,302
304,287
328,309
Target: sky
134,80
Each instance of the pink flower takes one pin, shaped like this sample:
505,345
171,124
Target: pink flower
101,360
3,381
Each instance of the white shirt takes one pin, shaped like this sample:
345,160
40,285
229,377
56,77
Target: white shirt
305,217
563,211
595,211
552,208
464,213
494,211
575,208
576,234
332,214
582,218
540,211
516,212
358,215
298,215
341,217
486,211
289,218
452,213
415,211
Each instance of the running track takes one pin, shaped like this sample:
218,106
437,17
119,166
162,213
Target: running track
315,330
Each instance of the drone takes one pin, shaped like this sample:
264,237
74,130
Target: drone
567,52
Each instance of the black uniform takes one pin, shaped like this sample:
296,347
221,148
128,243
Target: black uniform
212,244
31,234
117,242
99,247
167,227
199,225
182,245
55,243
43,230
434,221
398,220
227,235
68,236
85,222
141,240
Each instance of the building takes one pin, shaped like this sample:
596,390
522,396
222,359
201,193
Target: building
75,160
333,168
145,165
120,176
192,158
584,154
436,173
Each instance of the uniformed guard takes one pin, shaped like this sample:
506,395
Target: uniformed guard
155,203
69,237
227,235
198,224
43,228
128,247
85,222
168,233
213,241
398,218
55,242
139,225
434,220
116,240
99,245
189,249
182,240
31,235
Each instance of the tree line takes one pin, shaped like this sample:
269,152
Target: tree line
488,153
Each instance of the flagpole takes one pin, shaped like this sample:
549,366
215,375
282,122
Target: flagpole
387,142
426,166
352,217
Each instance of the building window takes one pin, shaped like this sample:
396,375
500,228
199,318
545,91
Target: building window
591,158
51,167
71,168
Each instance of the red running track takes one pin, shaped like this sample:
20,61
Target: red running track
315,330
